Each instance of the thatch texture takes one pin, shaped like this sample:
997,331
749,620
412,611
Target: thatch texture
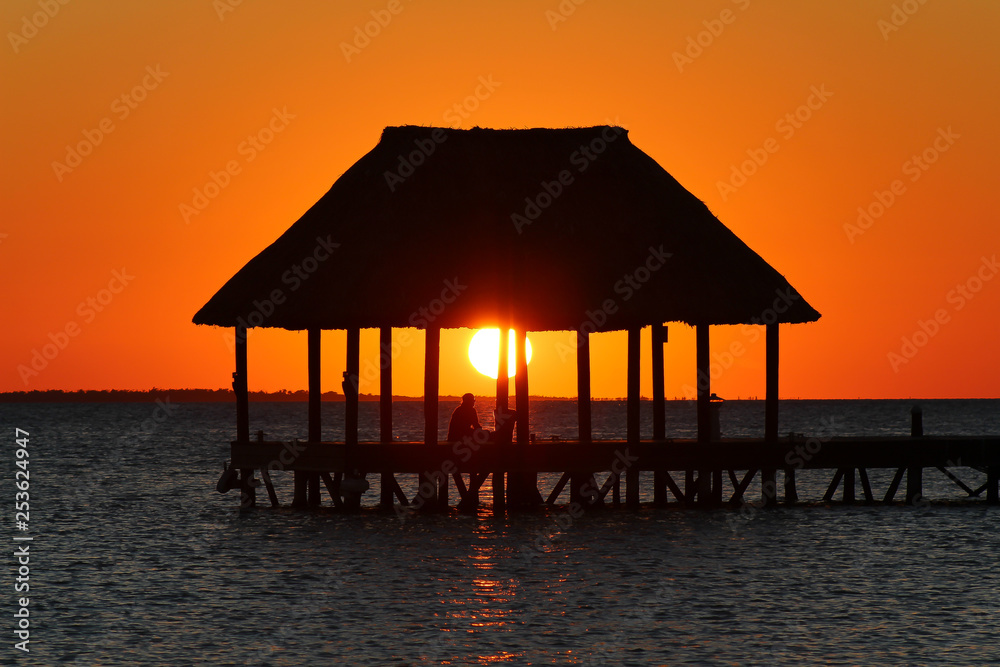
462,223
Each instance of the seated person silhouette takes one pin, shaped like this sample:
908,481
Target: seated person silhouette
464,420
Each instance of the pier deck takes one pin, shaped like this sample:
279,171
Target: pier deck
702,464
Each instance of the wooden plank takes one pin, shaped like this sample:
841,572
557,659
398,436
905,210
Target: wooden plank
950,475
866,485
672,485
270,487
332,487
890,493
557,489
741,488
834,483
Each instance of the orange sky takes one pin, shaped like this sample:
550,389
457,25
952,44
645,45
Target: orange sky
199,79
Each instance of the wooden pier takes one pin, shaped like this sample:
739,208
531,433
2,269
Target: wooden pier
706,474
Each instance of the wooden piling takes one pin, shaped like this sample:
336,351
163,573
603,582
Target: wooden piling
769,491
579,479
993,484
248,497
914,484
632,417
388,481
658,334
502,406
432,369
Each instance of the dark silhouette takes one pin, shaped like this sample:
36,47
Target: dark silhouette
464,420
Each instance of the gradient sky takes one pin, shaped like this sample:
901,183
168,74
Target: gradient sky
902,124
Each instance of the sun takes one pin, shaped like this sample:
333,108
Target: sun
484,352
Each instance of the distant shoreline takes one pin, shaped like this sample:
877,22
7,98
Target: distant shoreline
300,396
198,396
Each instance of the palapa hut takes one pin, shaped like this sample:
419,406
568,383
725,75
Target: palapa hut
539,229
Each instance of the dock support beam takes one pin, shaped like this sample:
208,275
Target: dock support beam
352,379
632,419
914,485
502,406
658,334
432,369
388,481
992,484
248,495
307,483
704,389
522,487
769,491
583,486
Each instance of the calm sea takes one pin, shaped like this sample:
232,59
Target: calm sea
137,560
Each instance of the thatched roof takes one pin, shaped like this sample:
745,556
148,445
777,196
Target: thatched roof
475,214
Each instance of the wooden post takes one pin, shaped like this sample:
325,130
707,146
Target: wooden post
993,484
521,386
502,405
387,485
522,486
432,369
704,386
583,411
240,387
771,385
659,336
791,495
248,495
307,483
769,492
914,485
916,422
849,495
632,418
351,381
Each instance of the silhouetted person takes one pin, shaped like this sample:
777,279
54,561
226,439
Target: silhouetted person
464,420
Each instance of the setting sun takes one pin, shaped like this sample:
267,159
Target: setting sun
484,352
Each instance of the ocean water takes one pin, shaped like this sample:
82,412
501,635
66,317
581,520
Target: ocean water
136,559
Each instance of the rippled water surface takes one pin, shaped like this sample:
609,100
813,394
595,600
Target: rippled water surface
137,560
